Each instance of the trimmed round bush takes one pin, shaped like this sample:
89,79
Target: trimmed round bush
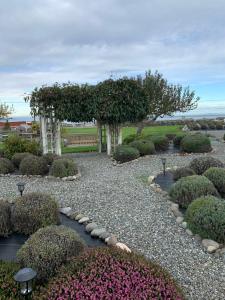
125,153
130,138
196,143
144,147
63,167
33,165
8,289
203,163
217,177
48,248
6,166
109,273
178,138
182,172
18,157
33,211
5,215
206,216
50,157
186,189
161,143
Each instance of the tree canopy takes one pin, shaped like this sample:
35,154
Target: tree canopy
5,110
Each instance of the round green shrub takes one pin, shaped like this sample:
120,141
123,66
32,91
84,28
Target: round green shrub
124,153
48,248
203,163
130,138
186,189
33,211
196,143
161,142
8,289
6,166
144,147
63,167
217,177
5,221
182,172
50,157
33,165
206,216
18,157
178,138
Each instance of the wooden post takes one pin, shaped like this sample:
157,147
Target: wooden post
43,122
108,136
120,137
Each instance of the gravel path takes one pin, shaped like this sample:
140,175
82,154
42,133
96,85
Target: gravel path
120,199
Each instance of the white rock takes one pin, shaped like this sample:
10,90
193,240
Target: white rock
123,247
83,220
150,179
91,226
184,225
207,243
179,220
211,249
111,241
189,232
65,210
78,217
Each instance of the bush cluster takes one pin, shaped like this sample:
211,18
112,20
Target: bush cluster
18,157
124,153
206,216
48,248
178,138
5,218
33,165
8,289
144,147
186,189
6,166
217,177
203,163
182,172
108,273
63,167
33,211
50,157
161,142
130,138
196,143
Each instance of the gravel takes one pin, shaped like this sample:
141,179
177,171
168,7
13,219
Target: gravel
119,199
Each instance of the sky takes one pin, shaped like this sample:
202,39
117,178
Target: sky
47,41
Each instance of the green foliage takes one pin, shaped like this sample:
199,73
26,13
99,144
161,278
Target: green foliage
63,167
182,172
186,189
33,211
33,165
5,215
48,248
15,144
50,157
196,143
203,163
6,166
5,110
8,288
161,142
144,147
129,138
171,136
124,153
18,157
217,177
178,138
206,216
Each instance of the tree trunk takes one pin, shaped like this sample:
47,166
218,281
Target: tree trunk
44,139
108,136
140,127
57,139
120,136
99,128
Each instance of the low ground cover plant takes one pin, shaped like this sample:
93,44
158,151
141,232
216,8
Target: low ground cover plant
195,143
33,165
63,167
161,142
124,153
203,163
182,172
8,288
18,157
217,177
177,139
6,166
5,218
144,147
50,157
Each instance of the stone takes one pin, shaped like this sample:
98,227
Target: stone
83,220
104,235
123,247
91,226
211,249
175,210
111,241
184,225
97,232
189,232
206,243
179,220
65,210
78,217
150,179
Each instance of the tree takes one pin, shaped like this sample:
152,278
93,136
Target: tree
164,98
5,110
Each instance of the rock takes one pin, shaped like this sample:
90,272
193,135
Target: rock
158,190
83,220
179,220
64,178
91,226
175,210
104,235
123,247
97,232
211,249
206,243
189,232
150,179
65,210
78,217
184,225
111,241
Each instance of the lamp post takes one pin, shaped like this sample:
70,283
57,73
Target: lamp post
24,278
21,187
163,159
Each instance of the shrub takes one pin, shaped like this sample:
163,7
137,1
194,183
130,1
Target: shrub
186,189
171,136
15,144
203,163
204,126
217,177
130,138
5,214
8,289
178,138
182,172
50,157
212,125
144,147
6,166
161,142
33,165
109,273
125,153
196,143
48,248
33,211
63,167
219,126
18,157
206,216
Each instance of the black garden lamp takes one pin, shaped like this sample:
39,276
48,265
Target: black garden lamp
163,159
21,187
24,278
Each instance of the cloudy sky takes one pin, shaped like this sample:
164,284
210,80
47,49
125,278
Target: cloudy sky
44,41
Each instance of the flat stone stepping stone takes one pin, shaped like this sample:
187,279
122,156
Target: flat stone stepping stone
78,217
97,232
91,226
83,220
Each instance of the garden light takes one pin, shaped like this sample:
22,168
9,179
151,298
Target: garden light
21,187
24,278
163,159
